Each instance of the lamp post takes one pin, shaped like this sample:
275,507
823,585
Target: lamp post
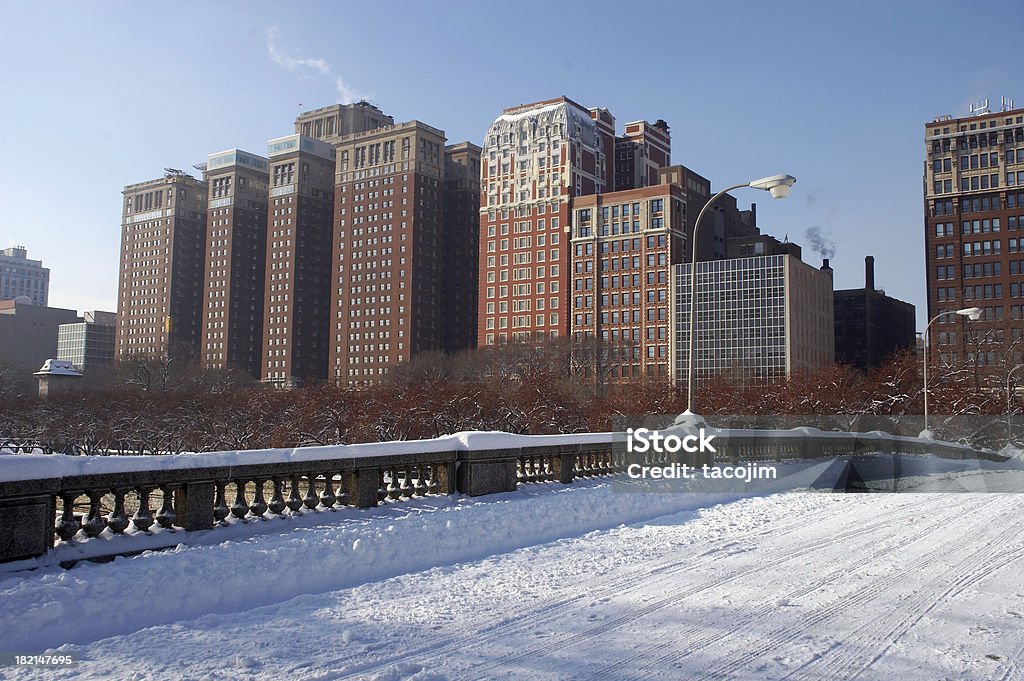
972,313
1009,402
779,186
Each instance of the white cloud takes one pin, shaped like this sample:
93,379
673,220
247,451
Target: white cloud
345,94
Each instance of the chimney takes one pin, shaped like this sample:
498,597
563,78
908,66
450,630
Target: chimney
869,272
825,266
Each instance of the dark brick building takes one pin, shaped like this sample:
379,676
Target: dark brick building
870,326
236,252
163,235
297,295
974,214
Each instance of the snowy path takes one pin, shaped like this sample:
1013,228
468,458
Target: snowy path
793,586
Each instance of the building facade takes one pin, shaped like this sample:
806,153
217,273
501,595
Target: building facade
163,235
88,343
20,276
236,253
974,214
535,159
460,247
298,271
28,337
624,245
871,326
386,289
642,150
758,318
331,123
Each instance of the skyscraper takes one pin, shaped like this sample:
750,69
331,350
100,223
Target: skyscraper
159,303
236,249
298,262
399,262
974,214
535,158
20,276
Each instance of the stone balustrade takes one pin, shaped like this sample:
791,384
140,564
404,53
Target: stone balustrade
204,491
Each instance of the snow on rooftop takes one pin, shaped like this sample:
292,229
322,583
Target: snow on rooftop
57,367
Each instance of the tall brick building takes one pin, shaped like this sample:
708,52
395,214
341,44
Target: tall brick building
159,302
535,159
401,263
974,215
296,301
624,245
236,250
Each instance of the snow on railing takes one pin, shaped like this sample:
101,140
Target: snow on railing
78,500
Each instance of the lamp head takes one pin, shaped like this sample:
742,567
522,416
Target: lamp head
972,313
778,185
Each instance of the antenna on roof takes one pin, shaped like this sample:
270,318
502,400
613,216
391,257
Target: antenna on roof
1005,103
980,108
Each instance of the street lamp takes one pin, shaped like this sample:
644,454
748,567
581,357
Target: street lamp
779,186
972,313
1009,402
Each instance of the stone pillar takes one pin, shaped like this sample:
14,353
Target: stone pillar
26,527
193,504
363,484
487,472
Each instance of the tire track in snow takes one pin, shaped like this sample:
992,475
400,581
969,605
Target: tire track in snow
635,582
529,615
693,638
782,635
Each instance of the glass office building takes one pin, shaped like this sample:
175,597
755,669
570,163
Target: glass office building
758,318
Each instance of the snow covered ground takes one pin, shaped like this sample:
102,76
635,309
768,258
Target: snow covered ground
549,583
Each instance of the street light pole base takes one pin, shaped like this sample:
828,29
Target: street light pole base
690,420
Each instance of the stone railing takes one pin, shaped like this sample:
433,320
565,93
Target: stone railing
45,499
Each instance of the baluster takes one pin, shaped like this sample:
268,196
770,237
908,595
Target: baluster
343,496
419,487
531,468
433,484
311,500
165,517
294,502
117,520
220,505
406,486
240,508
520,469
394,491
69,524
327,497
259,505
382,487
143,518
94,522
276,504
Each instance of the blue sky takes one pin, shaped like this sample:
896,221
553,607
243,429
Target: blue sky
99,95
